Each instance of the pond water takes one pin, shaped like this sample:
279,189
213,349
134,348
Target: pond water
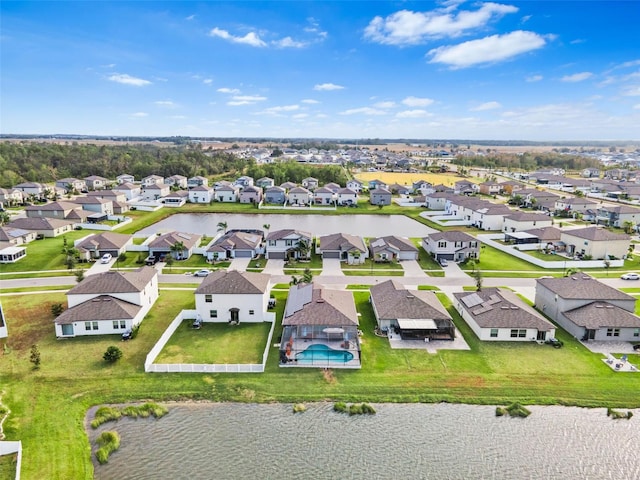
402,441
363,225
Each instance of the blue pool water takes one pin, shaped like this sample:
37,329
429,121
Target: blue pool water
319,353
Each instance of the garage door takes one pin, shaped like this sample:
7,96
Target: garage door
244,254
330,254
276,255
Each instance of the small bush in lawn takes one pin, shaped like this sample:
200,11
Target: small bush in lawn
340,407
109,442
355,409
113,354
57,309
368,409
299,408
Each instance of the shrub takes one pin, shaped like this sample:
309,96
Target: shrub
109,442
299,408
56,309
113,354
340,407
104,415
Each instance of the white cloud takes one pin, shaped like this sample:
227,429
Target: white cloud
525,19
237,100
631,91
534,78
125,79
310,101
486,106
495,48
409,28
416,113
250,38
139,115
388,104
300,116
288,42
363,111
165,103
207,81
190,17
233,91
577,77
577,41
280,109
325,87
417,102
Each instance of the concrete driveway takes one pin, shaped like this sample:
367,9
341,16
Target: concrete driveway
274,267
331,266
412,268
99,267
239,264
453,270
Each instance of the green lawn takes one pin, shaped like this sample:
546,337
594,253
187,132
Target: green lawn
216,343
372,273
371,265
8,465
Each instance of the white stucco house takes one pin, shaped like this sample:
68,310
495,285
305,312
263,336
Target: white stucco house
226,193
346,196
229,296
112,302
284,244
202,194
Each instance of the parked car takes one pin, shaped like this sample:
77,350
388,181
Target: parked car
555,343
443,262
106,258
150,260
630,276
202,273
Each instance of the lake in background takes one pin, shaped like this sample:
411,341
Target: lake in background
363,225
402,441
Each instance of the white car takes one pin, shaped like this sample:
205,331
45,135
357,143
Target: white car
106,258
630,276
202,273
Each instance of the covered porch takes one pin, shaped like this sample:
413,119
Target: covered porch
320,346
424,329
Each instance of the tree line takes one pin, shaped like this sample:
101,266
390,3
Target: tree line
292,171
527,161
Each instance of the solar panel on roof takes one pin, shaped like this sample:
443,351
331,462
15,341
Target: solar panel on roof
472,300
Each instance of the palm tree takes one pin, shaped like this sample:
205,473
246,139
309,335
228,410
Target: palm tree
176,250
303,248
223,226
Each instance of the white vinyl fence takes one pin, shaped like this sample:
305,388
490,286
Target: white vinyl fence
150,366
8,448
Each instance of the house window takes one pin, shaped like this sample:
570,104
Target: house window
251,312
288,243
636,332
442,244
116,324
208,298
123,324
494,333
87,325
473,244
213,313
272,243
515,333
613,332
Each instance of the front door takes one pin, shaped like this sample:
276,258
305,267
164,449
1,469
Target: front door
235,315
591,334
67,330
541,335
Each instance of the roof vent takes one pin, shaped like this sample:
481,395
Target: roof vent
409,295
320,300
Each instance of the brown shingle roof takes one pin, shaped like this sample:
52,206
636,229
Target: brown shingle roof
342,242
106,240
583,287
38,223
167,240
103,307
398,243
279,234
115,282
598,315
222,282
307,305
393,301
451,236
596,234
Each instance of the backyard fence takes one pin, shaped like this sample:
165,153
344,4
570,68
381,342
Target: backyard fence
150,366
8,448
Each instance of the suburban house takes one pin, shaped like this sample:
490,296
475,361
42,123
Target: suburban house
398,189
197,181
112,302
519,221
497,314
32,188
275,195
310,183
59,210
464,187
334,187
410,314
347,248
323,196
379,196
373,184
125,178
176,181
511,186
11,253
176,199
14,237
168,243
575,204
285,244
251,194
155,191
236,244
618,215
490,188
288,185
265,182
10,197
47,227
129,190
451,245
96,245
299,196
95,205
346,196
319,329
437,200
392,248
96,182
226,193
547,237
355,185
229,296
152,180
588,309
202,194
244,181
596,243
590,172
489,216
71,184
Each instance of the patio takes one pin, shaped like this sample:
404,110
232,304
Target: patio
621,364
325,353
458,343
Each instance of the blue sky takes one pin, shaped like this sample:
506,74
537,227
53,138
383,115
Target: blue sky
535,70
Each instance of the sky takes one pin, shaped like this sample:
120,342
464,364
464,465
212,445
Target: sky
532,70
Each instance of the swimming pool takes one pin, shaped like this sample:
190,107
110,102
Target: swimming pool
322,353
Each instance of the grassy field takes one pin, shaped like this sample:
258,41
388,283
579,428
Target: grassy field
389,178
48,405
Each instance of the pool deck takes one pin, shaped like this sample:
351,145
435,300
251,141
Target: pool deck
301,344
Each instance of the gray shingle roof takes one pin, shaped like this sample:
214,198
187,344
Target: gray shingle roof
342,242
583,287
502,308
103,307
598,315
115,282
166,240
38,223
596,234
279,234
233,282
309,305
106,240
398,243
393,301
451,236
